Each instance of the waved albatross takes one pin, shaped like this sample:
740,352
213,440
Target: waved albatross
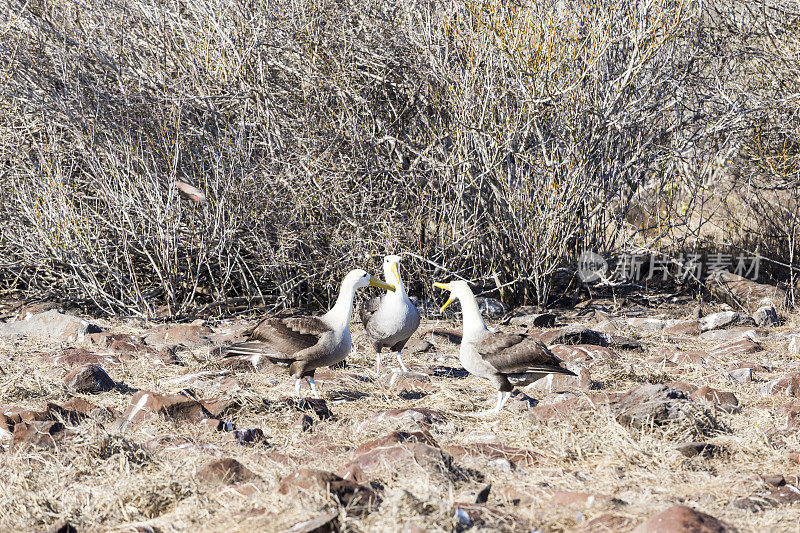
390,319
505,359
308,342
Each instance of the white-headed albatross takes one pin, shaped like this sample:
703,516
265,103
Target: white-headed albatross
390,319
505,359
306,343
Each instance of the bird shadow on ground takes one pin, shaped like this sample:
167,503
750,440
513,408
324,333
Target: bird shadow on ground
346,396
448,372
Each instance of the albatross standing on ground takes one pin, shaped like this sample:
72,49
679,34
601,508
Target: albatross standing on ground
390,319
505,359
307,343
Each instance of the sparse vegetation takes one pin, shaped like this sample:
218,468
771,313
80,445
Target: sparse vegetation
497,139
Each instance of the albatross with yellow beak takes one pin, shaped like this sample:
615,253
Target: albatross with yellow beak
307,343
505,359
392,318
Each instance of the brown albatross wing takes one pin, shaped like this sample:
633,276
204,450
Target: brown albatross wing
368,309
280,339
514,353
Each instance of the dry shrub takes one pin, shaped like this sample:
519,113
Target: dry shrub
496,139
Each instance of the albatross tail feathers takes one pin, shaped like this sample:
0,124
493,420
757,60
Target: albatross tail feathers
255,351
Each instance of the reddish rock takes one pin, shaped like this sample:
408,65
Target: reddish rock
563,382
43,434
89,379
794,457
395,437
453,335
15,415
586,354
177,407
682,385
725,400
785,386
739,347
417,346
353,473
76,409
304,423
516,456
649,405
408,382
583,500
186,335
681,357
682,519
228,471
412,458
218,407
739,291
74,357
606,523
414,416
689,328
345,491
120,343
722,335
571,406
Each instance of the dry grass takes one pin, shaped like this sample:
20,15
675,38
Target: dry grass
101,481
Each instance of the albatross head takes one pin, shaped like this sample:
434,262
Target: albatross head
391,269
360,278
459,290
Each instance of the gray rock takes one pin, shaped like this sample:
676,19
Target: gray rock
540,320
730,334
491,306
50,324
741,375
705,449
418,346
647,324
766,316
89,379
725,319
650,405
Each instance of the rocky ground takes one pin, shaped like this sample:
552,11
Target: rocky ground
681,418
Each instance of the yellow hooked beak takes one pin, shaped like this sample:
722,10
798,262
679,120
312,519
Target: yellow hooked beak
445,286
396,272
375,282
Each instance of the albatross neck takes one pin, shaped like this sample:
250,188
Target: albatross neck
400,289
339,315
473,325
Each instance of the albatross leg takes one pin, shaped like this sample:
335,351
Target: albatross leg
314,387
297,385
400,360
378,365
502,398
